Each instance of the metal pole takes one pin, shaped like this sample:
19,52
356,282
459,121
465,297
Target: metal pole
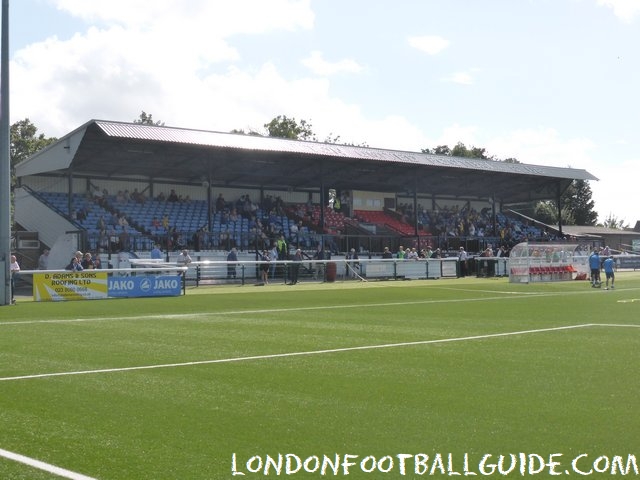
5,163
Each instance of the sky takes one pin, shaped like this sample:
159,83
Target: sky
548,82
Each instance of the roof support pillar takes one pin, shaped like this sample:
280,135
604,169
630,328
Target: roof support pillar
559,203
415,205
69,193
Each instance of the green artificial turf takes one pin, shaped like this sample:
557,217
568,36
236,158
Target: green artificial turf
461,366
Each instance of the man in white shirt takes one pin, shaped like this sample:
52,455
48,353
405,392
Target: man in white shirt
462,259
184,259
15,268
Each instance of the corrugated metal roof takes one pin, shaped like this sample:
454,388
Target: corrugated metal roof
106,149
270,144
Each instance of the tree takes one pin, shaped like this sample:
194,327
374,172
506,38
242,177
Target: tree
577,198
576,201
547,212
577,206
460,150
241,131
613,222
439,150
284,127
147,119
25,141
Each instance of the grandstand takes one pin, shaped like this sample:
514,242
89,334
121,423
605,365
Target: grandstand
272,187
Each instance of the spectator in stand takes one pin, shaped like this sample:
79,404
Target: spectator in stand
320,257
124,239
352,263
220,203
97,263
428,252
462,258
401,253
87,262
293,233
295,266
387,253
488,252
232,258
264,266
43,260
184,259
138,197
156,253
74,265
173,196
273,257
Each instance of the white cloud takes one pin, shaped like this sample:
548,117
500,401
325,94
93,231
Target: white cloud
199,18
543,146
431,44
461,78
455,133
626,10
613,193
318,65
177,66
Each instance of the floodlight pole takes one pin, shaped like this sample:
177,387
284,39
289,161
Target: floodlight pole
5,163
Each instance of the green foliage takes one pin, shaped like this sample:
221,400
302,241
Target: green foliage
577,204
547,212
613,222
461,150
240,131
285,127
578,198
147,119
25,141
439,150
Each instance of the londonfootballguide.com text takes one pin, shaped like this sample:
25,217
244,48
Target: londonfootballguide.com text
449,464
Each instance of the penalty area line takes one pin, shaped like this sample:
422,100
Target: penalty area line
292,354
47,467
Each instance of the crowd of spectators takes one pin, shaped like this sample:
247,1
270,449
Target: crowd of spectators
246,223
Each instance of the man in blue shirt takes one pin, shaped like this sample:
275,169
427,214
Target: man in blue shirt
156,253
594,265
608,265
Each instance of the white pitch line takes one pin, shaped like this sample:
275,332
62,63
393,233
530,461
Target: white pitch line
32,462
261,311
506,295
289,354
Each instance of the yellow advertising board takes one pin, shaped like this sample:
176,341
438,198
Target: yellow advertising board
86,285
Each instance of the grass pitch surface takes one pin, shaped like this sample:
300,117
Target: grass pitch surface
177,388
